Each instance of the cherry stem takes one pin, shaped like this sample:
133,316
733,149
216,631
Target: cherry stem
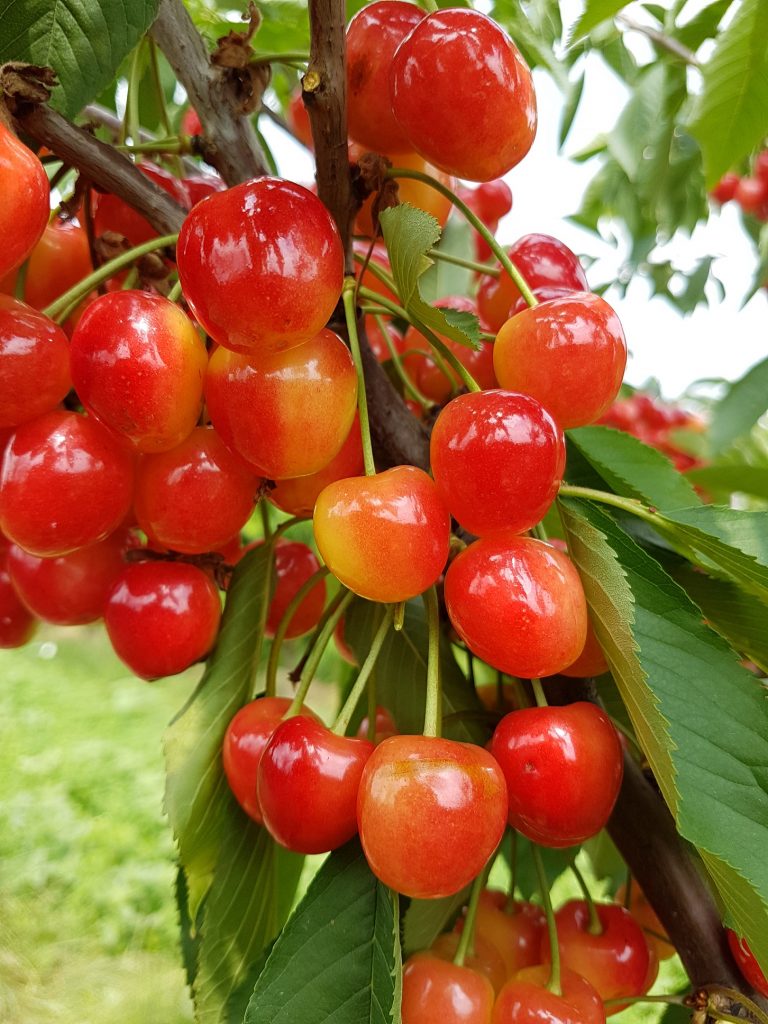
377,270
394,355
273,663
672,1000
460,261
171,146
630,505
175,293
350,313
132,121
540,532
538,693
433,704
439,347
498,251
292,57
371,730
466,946
553,984
345,715
318,649
59,309
286,525
511,901
266,524
399,619
595,926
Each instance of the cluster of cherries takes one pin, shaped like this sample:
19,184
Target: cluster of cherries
655,423
749,191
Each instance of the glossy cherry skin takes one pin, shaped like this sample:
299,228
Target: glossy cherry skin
273,232
72,589
642,911
526,1000
725,189
563,767
752,196
307,785
384,724
486,959
373,35
449,56
60,259
544,262
34,363
200,186
430,813
17,624
24,200
289,413
615,962
569,353
385,537
747,963
416,193
377,341
436,991
591,662
518,604
490,201
294,564
112,214
196,496
66,482
498,459
515,934
162,617
244,741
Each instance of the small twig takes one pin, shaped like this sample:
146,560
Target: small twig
663,42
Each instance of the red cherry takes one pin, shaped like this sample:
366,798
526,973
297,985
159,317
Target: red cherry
569,353
379,256
375,337
348,655
430,813
492,200
17,624
752,195
298,119
66,482
516,934
543,294
384,723
486,959
24,200
60,259
591,661
760,167
517,604
307,785
200,186
162,617
654,931
498,460
112,214
290,413
191,123
448,56
725,189
747,963
34,363
294,564
386,536
563,767
273,232
438,992
526,1000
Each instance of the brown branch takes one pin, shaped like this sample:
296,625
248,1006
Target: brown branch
664,42
232,146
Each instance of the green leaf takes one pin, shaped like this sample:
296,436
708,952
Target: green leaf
731,115
410,234
632,468
726,479
570,107
83,42
445,278
595,12
337,960
699,716
744,403
424,920
703,25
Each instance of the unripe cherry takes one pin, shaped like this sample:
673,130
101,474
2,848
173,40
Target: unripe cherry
34,363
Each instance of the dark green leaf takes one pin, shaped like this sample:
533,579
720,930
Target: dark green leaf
595,12
722,479
188,934
424,920
743,405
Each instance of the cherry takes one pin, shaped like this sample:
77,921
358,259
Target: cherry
747,963
191,123
298,119
376,339
449,56
294,564
591,662
491,200
200,186
569,353
373,35
516,935
503,446
544,262
438,992
384,724
247,735
113,214
162,617
379,256
563,767
60,259
518,604
725,189
138,365
752,196
760,167
307,785
486,959
17,624
290,413
348,655
430,812
195,497
24,200
273,232
542,294
416,193
385,537
526,1000
648,919
34,363
66,482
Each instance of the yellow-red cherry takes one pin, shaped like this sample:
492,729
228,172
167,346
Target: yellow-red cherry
24,200
486,958
436,991
34,363
526,1000
515,933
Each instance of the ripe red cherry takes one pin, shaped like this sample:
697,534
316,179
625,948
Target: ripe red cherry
244,741
376,339
486,959
498,460
615,962
430,813
17,624
66,482
752,196
436,991
747,963
60,259
162,617
191,123
450,55
200,186
294,564
491,200
307,785
518,604
34,363
112,214
273,232
642,911
386,536
725,189
569,353
563,767
373,35
591,661
515,934
543,294
544,262
760,167
384,724
526,1000
24,200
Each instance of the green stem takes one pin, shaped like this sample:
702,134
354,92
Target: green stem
282,628
629,505
460,261
433,707
511,901
466,946
318,649
538,693
380,274
350,314
286,525
371,731
175,293
408,384
399,619
540,532
21,280
154,64
498,251
554,948
266,523
345,715
595,926
678,1000
371,310
132,118
429,5
79,291
131,279
291,57
172,146
440,348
